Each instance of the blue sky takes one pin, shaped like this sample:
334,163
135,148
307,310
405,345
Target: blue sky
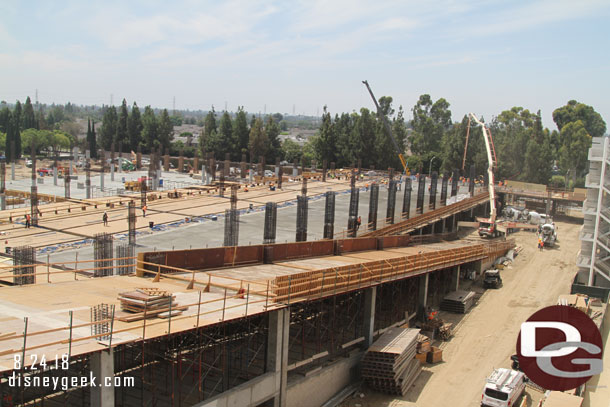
482,56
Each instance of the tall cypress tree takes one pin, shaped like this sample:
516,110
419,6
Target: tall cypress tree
121,128
28,120
134,127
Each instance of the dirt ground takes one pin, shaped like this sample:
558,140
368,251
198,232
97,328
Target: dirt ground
486,337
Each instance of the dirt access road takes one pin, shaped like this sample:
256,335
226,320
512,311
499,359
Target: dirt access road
487,335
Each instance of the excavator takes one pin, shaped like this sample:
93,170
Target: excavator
488,227
388,130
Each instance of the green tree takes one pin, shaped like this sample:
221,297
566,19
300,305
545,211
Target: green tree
225,133
430,122
574,148
291,150
150,129
134,127
326,144
210,122
574,111
17,116
109,127
5,117
28,119
241,132
121,127
166,130
258,140
274,145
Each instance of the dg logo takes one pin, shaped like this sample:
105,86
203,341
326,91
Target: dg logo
560,348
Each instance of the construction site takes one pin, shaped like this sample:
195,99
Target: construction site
308,287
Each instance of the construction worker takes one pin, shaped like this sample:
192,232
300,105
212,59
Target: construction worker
27,220
358,222
144,208
539,243
105,219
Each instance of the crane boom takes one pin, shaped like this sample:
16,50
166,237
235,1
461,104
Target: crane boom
490,160
388,130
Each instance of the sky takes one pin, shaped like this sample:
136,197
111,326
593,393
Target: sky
285,56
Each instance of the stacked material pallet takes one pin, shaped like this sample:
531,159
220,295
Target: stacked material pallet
389,365
458,302
148,301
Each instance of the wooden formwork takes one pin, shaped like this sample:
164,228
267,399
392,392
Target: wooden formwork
333,280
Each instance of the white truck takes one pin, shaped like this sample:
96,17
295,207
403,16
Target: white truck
503,388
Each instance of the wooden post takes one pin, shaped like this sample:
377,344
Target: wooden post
247,299
198,309
70,337
224,303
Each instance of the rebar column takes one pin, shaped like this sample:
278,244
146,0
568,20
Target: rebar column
123,264
55,166
181,162
2,185
390,174
373,203
196,164
277,167
324,164
304,187
454,182
352,218
406,202
301,235
120,161
231,227
471,183
433,183
88,178
111,163
34,191
221,181
24,256
444,190
421,190
102,157
131,220
242,166
139,158
295,169
270,222
102,254
143,190
166,160
280,175
329,215
391,201
359,165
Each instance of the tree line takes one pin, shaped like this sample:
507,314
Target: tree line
431,141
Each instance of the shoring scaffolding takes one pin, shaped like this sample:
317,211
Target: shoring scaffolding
301,233
391,201
454,182
270,222
406,202
373,203
421,189
395,301
100,318
24,258
352,218
433,184
329,215
471,180
131,222
325,325
102,253
444,183
124,263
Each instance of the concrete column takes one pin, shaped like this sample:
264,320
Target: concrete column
443,225
13,171
370,294
277,353
2,202
111,171
102,366
204,176
102,181
423,291
55,176
455,278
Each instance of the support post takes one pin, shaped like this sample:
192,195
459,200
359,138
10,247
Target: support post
277,353
102,366
423,292
370,295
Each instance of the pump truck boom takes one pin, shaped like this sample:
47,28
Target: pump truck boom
388,130
488,227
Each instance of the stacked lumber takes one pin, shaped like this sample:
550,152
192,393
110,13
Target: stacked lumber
389,365
149,302
458,302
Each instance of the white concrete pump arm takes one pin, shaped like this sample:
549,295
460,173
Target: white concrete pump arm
492,191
